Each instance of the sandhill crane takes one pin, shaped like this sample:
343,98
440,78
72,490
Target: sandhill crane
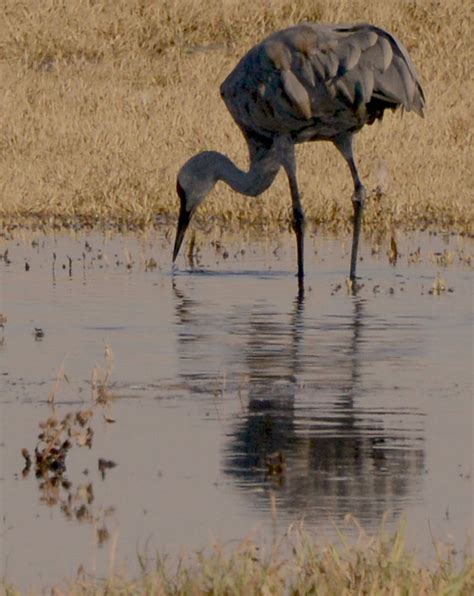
309,82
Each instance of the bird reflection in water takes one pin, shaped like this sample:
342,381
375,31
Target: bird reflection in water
303,433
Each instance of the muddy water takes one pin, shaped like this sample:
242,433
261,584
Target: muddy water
238,406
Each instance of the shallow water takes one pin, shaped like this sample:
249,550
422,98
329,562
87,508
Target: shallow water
215,370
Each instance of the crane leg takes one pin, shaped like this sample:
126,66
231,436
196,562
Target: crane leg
358,199
344,144
286,150
298,223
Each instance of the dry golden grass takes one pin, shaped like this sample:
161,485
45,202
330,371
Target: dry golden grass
378,566
102,101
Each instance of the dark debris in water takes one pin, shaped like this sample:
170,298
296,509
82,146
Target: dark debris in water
275,463
104,465
38,333
58,436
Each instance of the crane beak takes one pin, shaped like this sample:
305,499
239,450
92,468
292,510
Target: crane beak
183,221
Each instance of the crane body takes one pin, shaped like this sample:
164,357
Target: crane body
309,82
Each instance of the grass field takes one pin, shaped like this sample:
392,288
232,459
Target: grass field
380,566
102,100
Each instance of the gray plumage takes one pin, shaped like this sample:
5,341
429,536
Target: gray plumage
306,83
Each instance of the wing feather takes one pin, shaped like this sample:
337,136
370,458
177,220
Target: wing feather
296,92
330,62
367,80
387,52
387,86
308,72
318,64
373,58
280,55
406,80
313,70
385,71
352,56
365,39
346,87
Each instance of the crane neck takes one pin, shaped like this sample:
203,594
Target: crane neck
264,166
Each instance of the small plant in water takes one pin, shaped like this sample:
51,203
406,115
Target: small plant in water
439,287
58,435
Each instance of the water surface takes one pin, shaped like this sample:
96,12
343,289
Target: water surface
219,372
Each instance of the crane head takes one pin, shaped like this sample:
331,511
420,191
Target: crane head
195,180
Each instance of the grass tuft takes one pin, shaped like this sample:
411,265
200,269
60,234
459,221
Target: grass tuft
379,565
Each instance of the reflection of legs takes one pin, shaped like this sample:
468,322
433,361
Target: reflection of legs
344,144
